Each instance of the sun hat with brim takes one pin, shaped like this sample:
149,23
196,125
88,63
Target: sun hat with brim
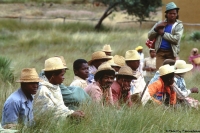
171,6
98,55
119,60
103,67
29,75
53,63
107,48
166,69
138,48
111,62
126,71
132,55
182,67
63,61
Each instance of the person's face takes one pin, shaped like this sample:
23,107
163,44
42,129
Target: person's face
116,68
97,63
171,15
30,87
107,81
125,82
108,53
140,51
83,71
133,64
58,79
170,81
153,53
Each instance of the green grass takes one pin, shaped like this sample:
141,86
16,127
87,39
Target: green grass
29,44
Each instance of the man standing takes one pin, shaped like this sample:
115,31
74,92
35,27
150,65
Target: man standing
167,34
18,108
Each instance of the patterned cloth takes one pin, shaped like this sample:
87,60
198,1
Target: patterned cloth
79,82
92,71
17,108
49,98
95,92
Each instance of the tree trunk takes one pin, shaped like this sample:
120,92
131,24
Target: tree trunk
106,14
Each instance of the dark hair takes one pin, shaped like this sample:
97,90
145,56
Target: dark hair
167,77
126,76
99,75
77,63
49,74
170,10
171,62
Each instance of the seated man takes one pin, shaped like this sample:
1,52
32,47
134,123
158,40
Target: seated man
81,72
18,108
100,90
107,49
161,90
121,87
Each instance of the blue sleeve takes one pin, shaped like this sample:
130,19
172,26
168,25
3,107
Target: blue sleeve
155,78
10,113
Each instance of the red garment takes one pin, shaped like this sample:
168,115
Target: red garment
117,94
157,89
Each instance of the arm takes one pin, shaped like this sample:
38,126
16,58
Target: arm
152,34
153,89
180,94
175,37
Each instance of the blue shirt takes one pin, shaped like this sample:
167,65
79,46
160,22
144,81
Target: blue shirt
155,78
166,44
17,108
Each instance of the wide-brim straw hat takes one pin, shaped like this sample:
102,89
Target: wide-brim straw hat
29,75
111,62
138,48
119,60
103,67
132,55
63,61
171,6
53,63
166,69
182,67
107,48
98,55
126,71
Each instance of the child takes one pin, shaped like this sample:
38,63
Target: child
195,59
81,72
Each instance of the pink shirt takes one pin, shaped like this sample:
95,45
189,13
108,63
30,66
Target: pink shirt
95,92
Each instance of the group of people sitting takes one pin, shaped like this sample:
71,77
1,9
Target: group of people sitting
105,79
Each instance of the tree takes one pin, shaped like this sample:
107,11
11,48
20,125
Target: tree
139,8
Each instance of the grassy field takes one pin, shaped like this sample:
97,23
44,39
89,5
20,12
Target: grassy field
30,43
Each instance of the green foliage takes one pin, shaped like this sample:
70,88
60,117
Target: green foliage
195,36
6,74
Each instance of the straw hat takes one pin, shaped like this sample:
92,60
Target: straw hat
107,48
98,55
53,63
104,67
138,48
127,71
166,69
182,67
132,55
119,60
171,6
111,62
29,75
63,61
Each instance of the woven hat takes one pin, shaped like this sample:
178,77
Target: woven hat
103,67
63,61
107,48
29,75
119,60
138,48
132,55
171,6
98,55
166,69
127,71
182,67
111,62
53,63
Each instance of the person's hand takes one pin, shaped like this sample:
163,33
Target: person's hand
161,32
77,114
194,90
153,69
161,25
148,68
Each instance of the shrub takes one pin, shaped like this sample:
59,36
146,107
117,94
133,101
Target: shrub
195,36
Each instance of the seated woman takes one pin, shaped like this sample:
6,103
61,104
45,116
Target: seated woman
161,90
195,59
49,97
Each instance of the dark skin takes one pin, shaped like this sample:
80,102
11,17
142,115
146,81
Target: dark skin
108,53
116,68
106,81
171,19
125,83
134,64
83,71
97,63
29,88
